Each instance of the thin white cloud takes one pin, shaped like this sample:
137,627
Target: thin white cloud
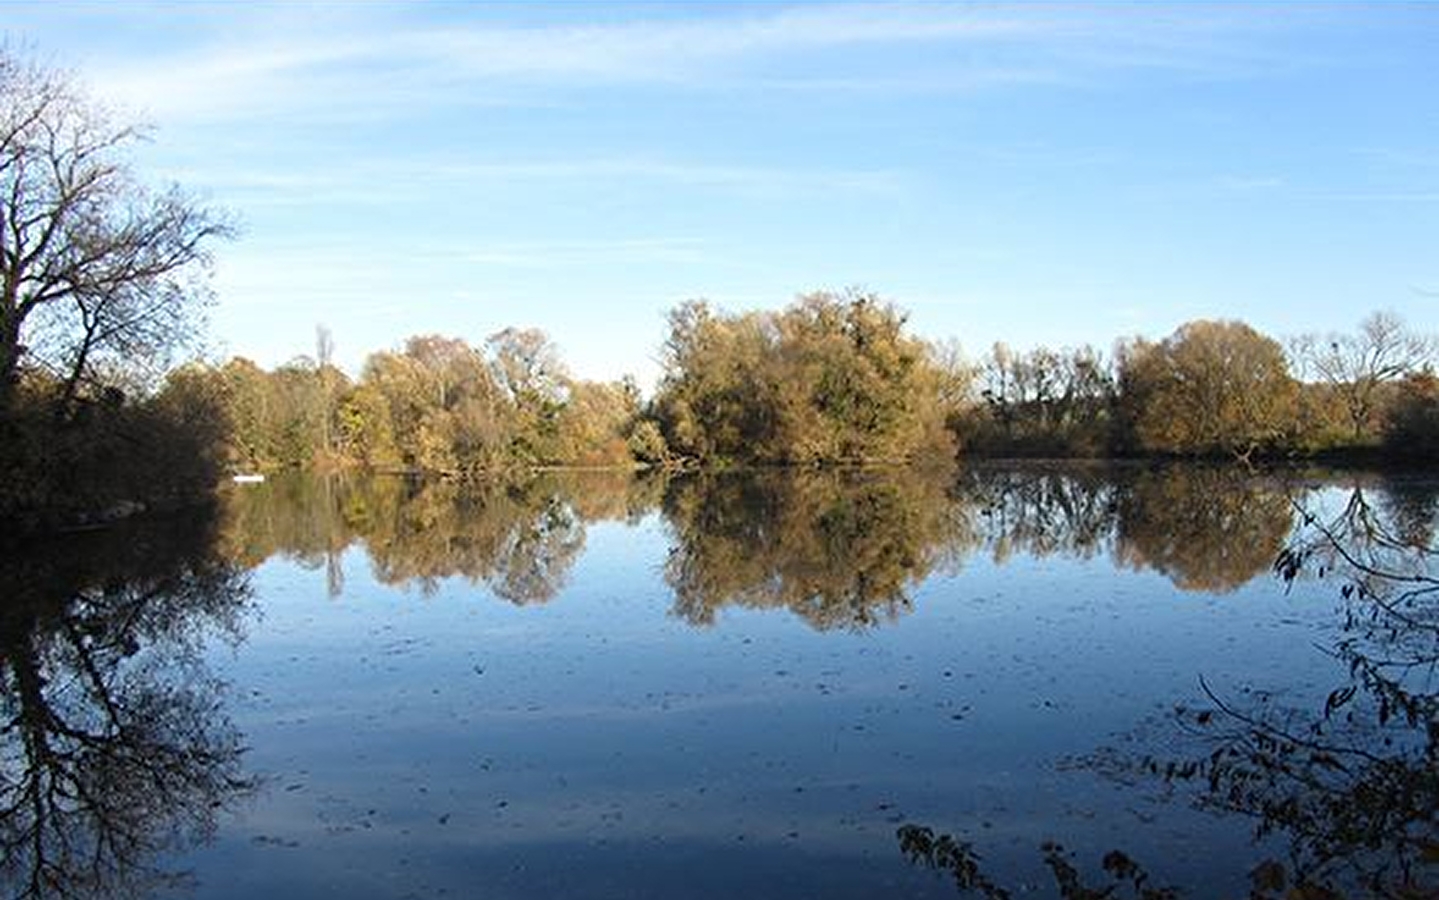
1394,196
1247,183
385,63
760,178
389,181
1400,158
553,254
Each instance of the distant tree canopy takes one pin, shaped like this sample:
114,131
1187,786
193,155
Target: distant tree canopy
435,404
1043,402
1209,388
103,278
832,378
1358,367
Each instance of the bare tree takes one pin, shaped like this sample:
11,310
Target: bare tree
324,367
93,265
1356,365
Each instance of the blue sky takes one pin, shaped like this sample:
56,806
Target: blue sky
1039,174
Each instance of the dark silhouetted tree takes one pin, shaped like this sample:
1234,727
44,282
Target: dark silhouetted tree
96,269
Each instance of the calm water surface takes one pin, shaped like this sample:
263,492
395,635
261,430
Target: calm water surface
598,686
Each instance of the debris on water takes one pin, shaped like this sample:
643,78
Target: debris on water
272,841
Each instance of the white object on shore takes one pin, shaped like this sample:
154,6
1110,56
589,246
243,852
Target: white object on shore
247,479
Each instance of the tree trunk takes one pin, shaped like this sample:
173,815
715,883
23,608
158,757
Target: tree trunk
9,361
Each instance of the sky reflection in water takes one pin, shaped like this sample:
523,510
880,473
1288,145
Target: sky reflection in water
602,687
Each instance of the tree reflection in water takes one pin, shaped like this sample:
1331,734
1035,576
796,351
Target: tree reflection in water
1348,784
1044,511
1206,528
520,538
114,743
840,549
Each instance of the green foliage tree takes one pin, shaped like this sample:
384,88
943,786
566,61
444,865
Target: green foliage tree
366,428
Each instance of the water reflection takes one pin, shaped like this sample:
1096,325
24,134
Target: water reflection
1209,529
1351,780
1344,780
1041,511
838,549
115,745
519,538
746,727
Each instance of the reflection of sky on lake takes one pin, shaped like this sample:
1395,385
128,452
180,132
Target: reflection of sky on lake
597,745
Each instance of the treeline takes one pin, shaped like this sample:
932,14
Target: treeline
1212,389
832,379
436,405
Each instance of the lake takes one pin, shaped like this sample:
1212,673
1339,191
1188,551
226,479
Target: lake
1001,681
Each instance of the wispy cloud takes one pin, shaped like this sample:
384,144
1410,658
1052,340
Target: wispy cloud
389,181
1248,183
553,254
1400,158
381,62
1395,196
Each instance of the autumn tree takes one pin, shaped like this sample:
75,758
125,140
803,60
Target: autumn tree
249,408
833,378
855,386
595,424
1053,402
1412,427
526,365
446,411
1212,387
714,400
1358,366
96,269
